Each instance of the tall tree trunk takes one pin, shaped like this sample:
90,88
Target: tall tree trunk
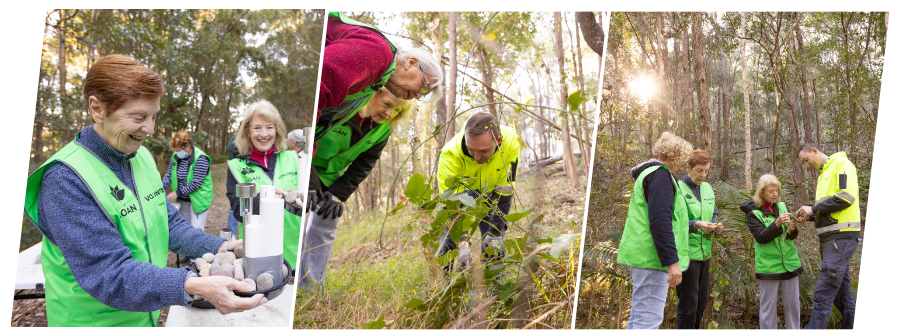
487,75
807,125
816,108
568,158
661,61
592,30
686,95
775,132
204,106
61,64
700,85
450,130
724,127
583,125
441,109
845,27
748,147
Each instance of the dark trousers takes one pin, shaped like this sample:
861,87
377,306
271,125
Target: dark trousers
492,225
833,286
693,294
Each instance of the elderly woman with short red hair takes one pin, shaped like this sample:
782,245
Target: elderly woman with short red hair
193,188
702,217
107,224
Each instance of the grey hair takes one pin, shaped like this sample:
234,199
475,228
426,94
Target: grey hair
295,135
429,66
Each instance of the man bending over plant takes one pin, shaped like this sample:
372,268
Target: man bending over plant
481,162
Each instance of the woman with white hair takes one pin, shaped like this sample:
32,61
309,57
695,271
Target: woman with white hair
358,61
264,159
777,262
654,242
345,156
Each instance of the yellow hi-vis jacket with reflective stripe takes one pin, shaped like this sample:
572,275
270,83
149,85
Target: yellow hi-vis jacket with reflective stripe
492,175
837,183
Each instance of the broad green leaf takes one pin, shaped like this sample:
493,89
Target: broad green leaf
464,198
506,290
413,303
519,215
561,243
575,100
416,186
377,324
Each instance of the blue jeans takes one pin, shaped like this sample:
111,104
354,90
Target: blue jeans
833,286
232,223
648,298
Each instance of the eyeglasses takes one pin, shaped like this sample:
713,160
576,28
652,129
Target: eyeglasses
427,87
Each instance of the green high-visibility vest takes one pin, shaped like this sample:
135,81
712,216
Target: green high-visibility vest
201,198
335,152
286,168
356,100
838,178
141,217
637,248
491,176
779,255
699,209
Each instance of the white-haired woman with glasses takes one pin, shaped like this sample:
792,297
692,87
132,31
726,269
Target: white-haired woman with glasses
358,61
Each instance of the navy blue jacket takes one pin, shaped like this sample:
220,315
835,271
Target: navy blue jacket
94,249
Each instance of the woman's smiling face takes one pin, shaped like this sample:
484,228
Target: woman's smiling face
381,106
262,133
126,128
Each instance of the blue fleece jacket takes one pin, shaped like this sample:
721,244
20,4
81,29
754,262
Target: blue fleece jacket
94,249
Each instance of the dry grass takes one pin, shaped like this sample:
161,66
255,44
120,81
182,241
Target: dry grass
368,281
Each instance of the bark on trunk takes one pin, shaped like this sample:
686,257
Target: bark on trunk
592,31
748,153
700,83
569,158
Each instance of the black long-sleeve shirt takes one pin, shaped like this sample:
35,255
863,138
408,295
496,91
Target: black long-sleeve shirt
357,172
234,201
764,234
659,193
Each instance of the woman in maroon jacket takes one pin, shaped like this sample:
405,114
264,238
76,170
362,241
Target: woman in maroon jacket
358,61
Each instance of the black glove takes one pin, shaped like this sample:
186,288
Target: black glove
315,190
312,198
331,206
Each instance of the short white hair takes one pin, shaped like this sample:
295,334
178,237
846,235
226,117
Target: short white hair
429,66
296,135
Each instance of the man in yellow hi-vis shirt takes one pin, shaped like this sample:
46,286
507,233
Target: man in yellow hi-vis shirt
836,214
486,155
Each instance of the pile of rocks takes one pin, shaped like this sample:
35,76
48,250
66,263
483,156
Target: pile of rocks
230,264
